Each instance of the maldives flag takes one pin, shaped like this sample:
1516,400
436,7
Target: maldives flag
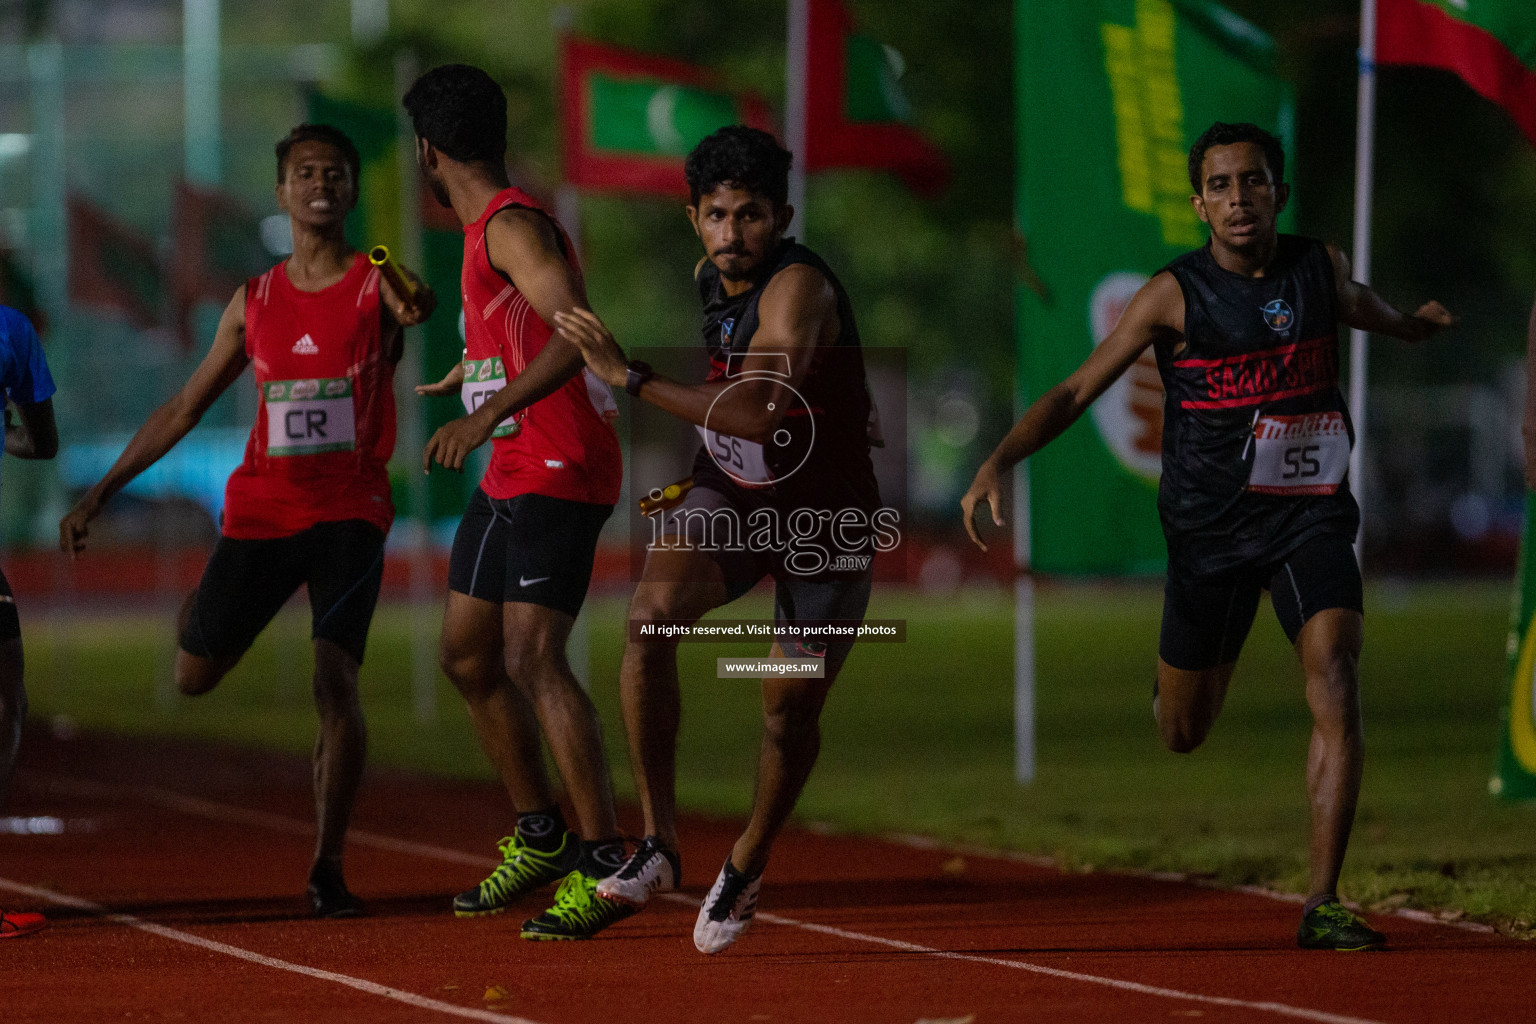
112,266
855,111
629,119
1489,43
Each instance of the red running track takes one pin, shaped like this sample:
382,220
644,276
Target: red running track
176,895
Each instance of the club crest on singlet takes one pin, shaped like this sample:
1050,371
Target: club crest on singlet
726,327
1278,315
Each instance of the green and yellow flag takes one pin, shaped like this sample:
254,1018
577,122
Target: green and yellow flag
1111,93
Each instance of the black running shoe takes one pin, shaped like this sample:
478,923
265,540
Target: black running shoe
1332,925
328,895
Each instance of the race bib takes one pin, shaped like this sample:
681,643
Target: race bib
482,379
1299,454
307,417
743,460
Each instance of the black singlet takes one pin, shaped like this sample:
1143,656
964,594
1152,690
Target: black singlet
1253,416
823,464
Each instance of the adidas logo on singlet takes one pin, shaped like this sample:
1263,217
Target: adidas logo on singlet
306,346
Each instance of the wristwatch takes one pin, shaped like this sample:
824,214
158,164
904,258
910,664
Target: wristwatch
638,373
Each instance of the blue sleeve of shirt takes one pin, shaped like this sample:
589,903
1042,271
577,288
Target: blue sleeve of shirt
23,369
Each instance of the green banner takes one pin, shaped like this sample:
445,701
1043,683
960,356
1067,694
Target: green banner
1514,776
1111,93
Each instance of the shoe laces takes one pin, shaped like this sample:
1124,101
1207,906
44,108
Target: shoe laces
511,870
730,888
1336,913
575,901
644,854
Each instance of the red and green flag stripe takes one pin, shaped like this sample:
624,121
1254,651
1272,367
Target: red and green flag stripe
630,119
855,111
1491,44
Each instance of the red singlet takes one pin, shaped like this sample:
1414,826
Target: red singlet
562,446
325,426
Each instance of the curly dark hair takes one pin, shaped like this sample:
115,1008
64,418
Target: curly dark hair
460,110
318,133
1223,134
747,158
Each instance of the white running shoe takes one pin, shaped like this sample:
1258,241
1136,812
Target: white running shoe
727,910
652,868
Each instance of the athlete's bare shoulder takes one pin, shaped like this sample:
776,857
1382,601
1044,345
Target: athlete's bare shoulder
1159,305
515,234
798,293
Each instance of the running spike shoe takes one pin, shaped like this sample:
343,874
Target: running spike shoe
578,913
1332,925
522,870
652,868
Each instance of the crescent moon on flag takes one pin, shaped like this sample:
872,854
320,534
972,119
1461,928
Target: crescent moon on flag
660,120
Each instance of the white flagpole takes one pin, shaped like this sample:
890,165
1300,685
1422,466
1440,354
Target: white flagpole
795,68
1023,629
1365,139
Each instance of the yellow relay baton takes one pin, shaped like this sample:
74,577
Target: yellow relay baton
662,498
390,271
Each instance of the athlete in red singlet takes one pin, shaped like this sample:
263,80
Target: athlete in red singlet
310,503
523,555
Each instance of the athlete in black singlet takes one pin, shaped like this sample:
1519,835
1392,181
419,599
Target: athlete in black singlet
784,415
1254,492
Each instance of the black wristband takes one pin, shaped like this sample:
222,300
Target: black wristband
638,373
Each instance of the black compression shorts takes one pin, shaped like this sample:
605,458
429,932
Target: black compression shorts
1206,620
840,596
247,581
529,548
10,623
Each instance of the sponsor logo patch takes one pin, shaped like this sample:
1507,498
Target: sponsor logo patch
335,387
304,389
306,346
1278,315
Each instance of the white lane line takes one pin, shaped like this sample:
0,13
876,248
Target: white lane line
916,842
176,935
197,807
225,812
1055,972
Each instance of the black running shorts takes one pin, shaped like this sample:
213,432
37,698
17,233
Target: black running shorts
10,623
1205,621
797,598
529,548
247,581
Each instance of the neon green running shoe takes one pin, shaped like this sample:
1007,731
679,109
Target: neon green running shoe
1332,925
579,912
522,870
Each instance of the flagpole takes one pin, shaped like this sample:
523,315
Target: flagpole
200,84
1365,140
795,69
1023,626
578,646
421,586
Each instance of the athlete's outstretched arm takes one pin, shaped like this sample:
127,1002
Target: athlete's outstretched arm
166,425
449,385
1529,426
1157,310
523,245
1361,308
397,313
33,434
796,307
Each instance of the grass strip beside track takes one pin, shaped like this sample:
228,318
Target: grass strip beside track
917,737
